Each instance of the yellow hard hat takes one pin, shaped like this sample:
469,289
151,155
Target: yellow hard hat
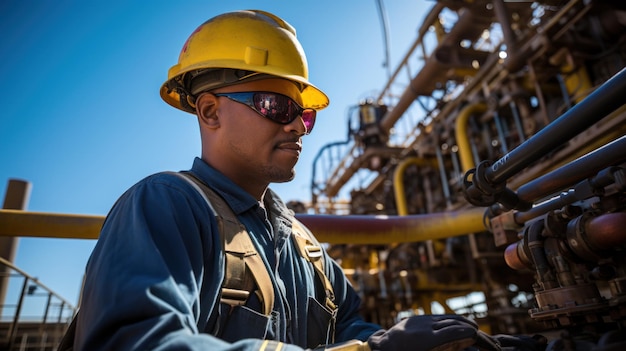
236,47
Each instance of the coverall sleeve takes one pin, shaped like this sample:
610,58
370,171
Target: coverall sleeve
154,275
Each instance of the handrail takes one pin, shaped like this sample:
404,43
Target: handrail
48,332
39,284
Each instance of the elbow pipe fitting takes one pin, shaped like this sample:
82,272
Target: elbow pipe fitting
479,191
535,240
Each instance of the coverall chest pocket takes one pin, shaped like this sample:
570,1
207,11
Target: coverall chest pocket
320,324
240,322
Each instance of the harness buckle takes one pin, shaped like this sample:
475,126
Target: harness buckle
313,251
234,297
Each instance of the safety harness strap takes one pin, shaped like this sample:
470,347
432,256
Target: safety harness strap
312,252
242,258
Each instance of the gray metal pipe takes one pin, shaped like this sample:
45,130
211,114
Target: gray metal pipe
604,100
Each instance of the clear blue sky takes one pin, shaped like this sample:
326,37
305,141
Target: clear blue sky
80,112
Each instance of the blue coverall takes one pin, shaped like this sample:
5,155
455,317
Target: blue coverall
154,277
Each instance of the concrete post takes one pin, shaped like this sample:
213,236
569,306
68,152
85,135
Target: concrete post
16,198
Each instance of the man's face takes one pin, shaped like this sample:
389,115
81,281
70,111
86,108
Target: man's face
253,148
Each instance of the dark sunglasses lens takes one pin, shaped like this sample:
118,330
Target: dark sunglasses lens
278,108
272,106
308,116
282,109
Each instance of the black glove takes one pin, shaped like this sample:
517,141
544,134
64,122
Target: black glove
426,332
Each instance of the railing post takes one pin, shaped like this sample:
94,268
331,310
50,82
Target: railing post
18,311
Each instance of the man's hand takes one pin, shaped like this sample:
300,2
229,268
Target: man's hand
430,332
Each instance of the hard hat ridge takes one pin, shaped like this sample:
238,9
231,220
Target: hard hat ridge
279,22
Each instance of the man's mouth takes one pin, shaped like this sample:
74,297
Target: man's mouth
291,146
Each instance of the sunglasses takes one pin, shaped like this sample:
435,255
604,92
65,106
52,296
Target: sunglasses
275,107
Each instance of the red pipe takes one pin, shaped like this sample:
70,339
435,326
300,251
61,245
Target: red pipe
369,229
606,231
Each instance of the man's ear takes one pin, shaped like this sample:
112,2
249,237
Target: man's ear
206,109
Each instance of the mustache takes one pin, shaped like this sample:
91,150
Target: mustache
296,140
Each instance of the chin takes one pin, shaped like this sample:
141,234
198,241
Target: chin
285,177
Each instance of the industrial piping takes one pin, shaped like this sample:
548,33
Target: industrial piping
331,229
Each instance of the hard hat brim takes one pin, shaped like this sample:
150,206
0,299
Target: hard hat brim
312,96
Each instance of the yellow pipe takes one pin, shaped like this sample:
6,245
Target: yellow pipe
576,77
462,138
578,83
330,229
398,180
49,225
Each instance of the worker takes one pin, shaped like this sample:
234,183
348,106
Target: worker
156,277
